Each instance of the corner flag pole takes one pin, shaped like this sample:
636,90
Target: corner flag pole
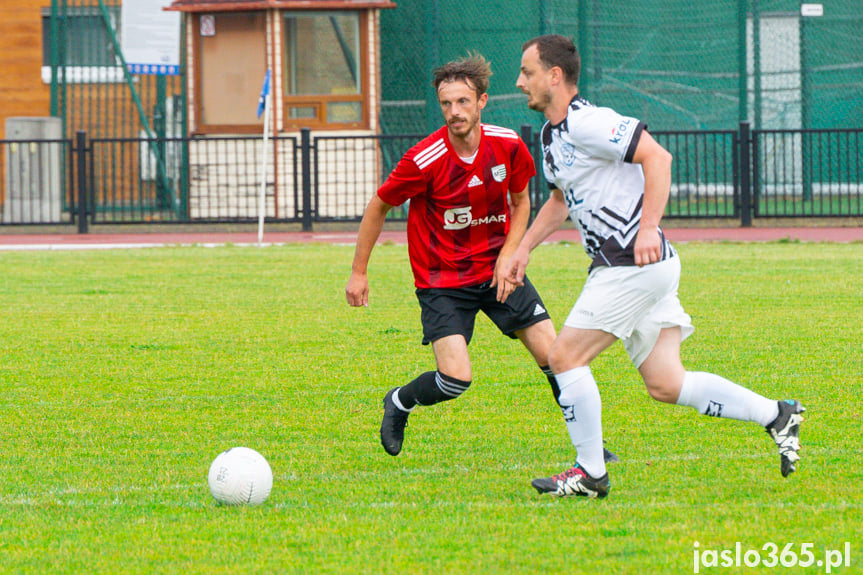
264,108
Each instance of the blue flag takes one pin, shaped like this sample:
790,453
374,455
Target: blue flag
265,91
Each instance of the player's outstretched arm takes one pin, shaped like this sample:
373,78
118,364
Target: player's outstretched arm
552,214
357,290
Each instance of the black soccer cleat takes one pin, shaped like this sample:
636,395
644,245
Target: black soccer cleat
785,431
609,456
393,425
573,482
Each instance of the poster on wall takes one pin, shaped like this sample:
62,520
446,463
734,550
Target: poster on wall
208,25
151,37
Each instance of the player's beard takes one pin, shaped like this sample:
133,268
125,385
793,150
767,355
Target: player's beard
465,128
538,101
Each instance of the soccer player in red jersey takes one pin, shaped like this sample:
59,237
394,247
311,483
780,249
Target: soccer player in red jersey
469,207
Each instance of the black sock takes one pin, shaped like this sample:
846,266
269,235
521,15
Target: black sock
431,387
553,381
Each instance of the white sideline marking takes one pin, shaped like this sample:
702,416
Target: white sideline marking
121,246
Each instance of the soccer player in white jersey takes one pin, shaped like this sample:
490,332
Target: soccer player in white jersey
613,179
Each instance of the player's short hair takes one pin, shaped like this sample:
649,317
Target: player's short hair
473,68
555,50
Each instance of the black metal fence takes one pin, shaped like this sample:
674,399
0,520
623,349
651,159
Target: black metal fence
740,174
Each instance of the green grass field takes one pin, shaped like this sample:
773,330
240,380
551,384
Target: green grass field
124,373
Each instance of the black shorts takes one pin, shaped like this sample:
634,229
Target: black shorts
451,311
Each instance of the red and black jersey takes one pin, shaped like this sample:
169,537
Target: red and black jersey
459,213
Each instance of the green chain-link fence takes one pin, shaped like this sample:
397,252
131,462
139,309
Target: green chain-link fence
90,88
92,91
676,64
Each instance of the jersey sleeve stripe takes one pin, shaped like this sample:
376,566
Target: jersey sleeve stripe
633,143
430,154
500,132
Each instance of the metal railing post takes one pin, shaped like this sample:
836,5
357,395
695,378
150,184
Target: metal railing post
81,162
745,139
306,151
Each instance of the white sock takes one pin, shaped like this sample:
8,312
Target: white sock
398,402
714,395
582,411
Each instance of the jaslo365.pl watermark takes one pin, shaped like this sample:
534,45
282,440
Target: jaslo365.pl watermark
770,555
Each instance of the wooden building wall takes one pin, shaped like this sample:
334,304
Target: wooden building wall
22,92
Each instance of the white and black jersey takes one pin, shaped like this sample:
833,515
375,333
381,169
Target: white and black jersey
588,157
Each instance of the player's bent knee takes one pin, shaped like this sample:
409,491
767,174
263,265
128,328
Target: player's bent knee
666,391
561,359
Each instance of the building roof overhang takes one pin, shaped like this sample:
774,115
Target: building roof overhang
245,5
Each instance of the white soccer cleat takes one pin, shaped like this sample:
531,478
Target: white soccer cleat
785,431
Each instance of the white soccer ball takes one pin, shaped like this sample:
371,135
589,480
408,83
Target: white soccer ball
240,476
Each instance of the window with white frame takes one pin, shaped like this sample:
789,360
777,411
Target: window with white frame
324,69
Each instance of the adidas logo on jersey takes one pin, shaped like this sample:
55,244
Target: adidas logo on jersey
474,181
538,310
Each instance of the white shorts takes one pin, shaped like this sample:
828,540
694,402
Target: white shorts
632,303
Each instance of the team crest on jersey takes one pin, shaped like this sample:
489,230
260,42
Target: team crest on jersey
567,150
498,172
